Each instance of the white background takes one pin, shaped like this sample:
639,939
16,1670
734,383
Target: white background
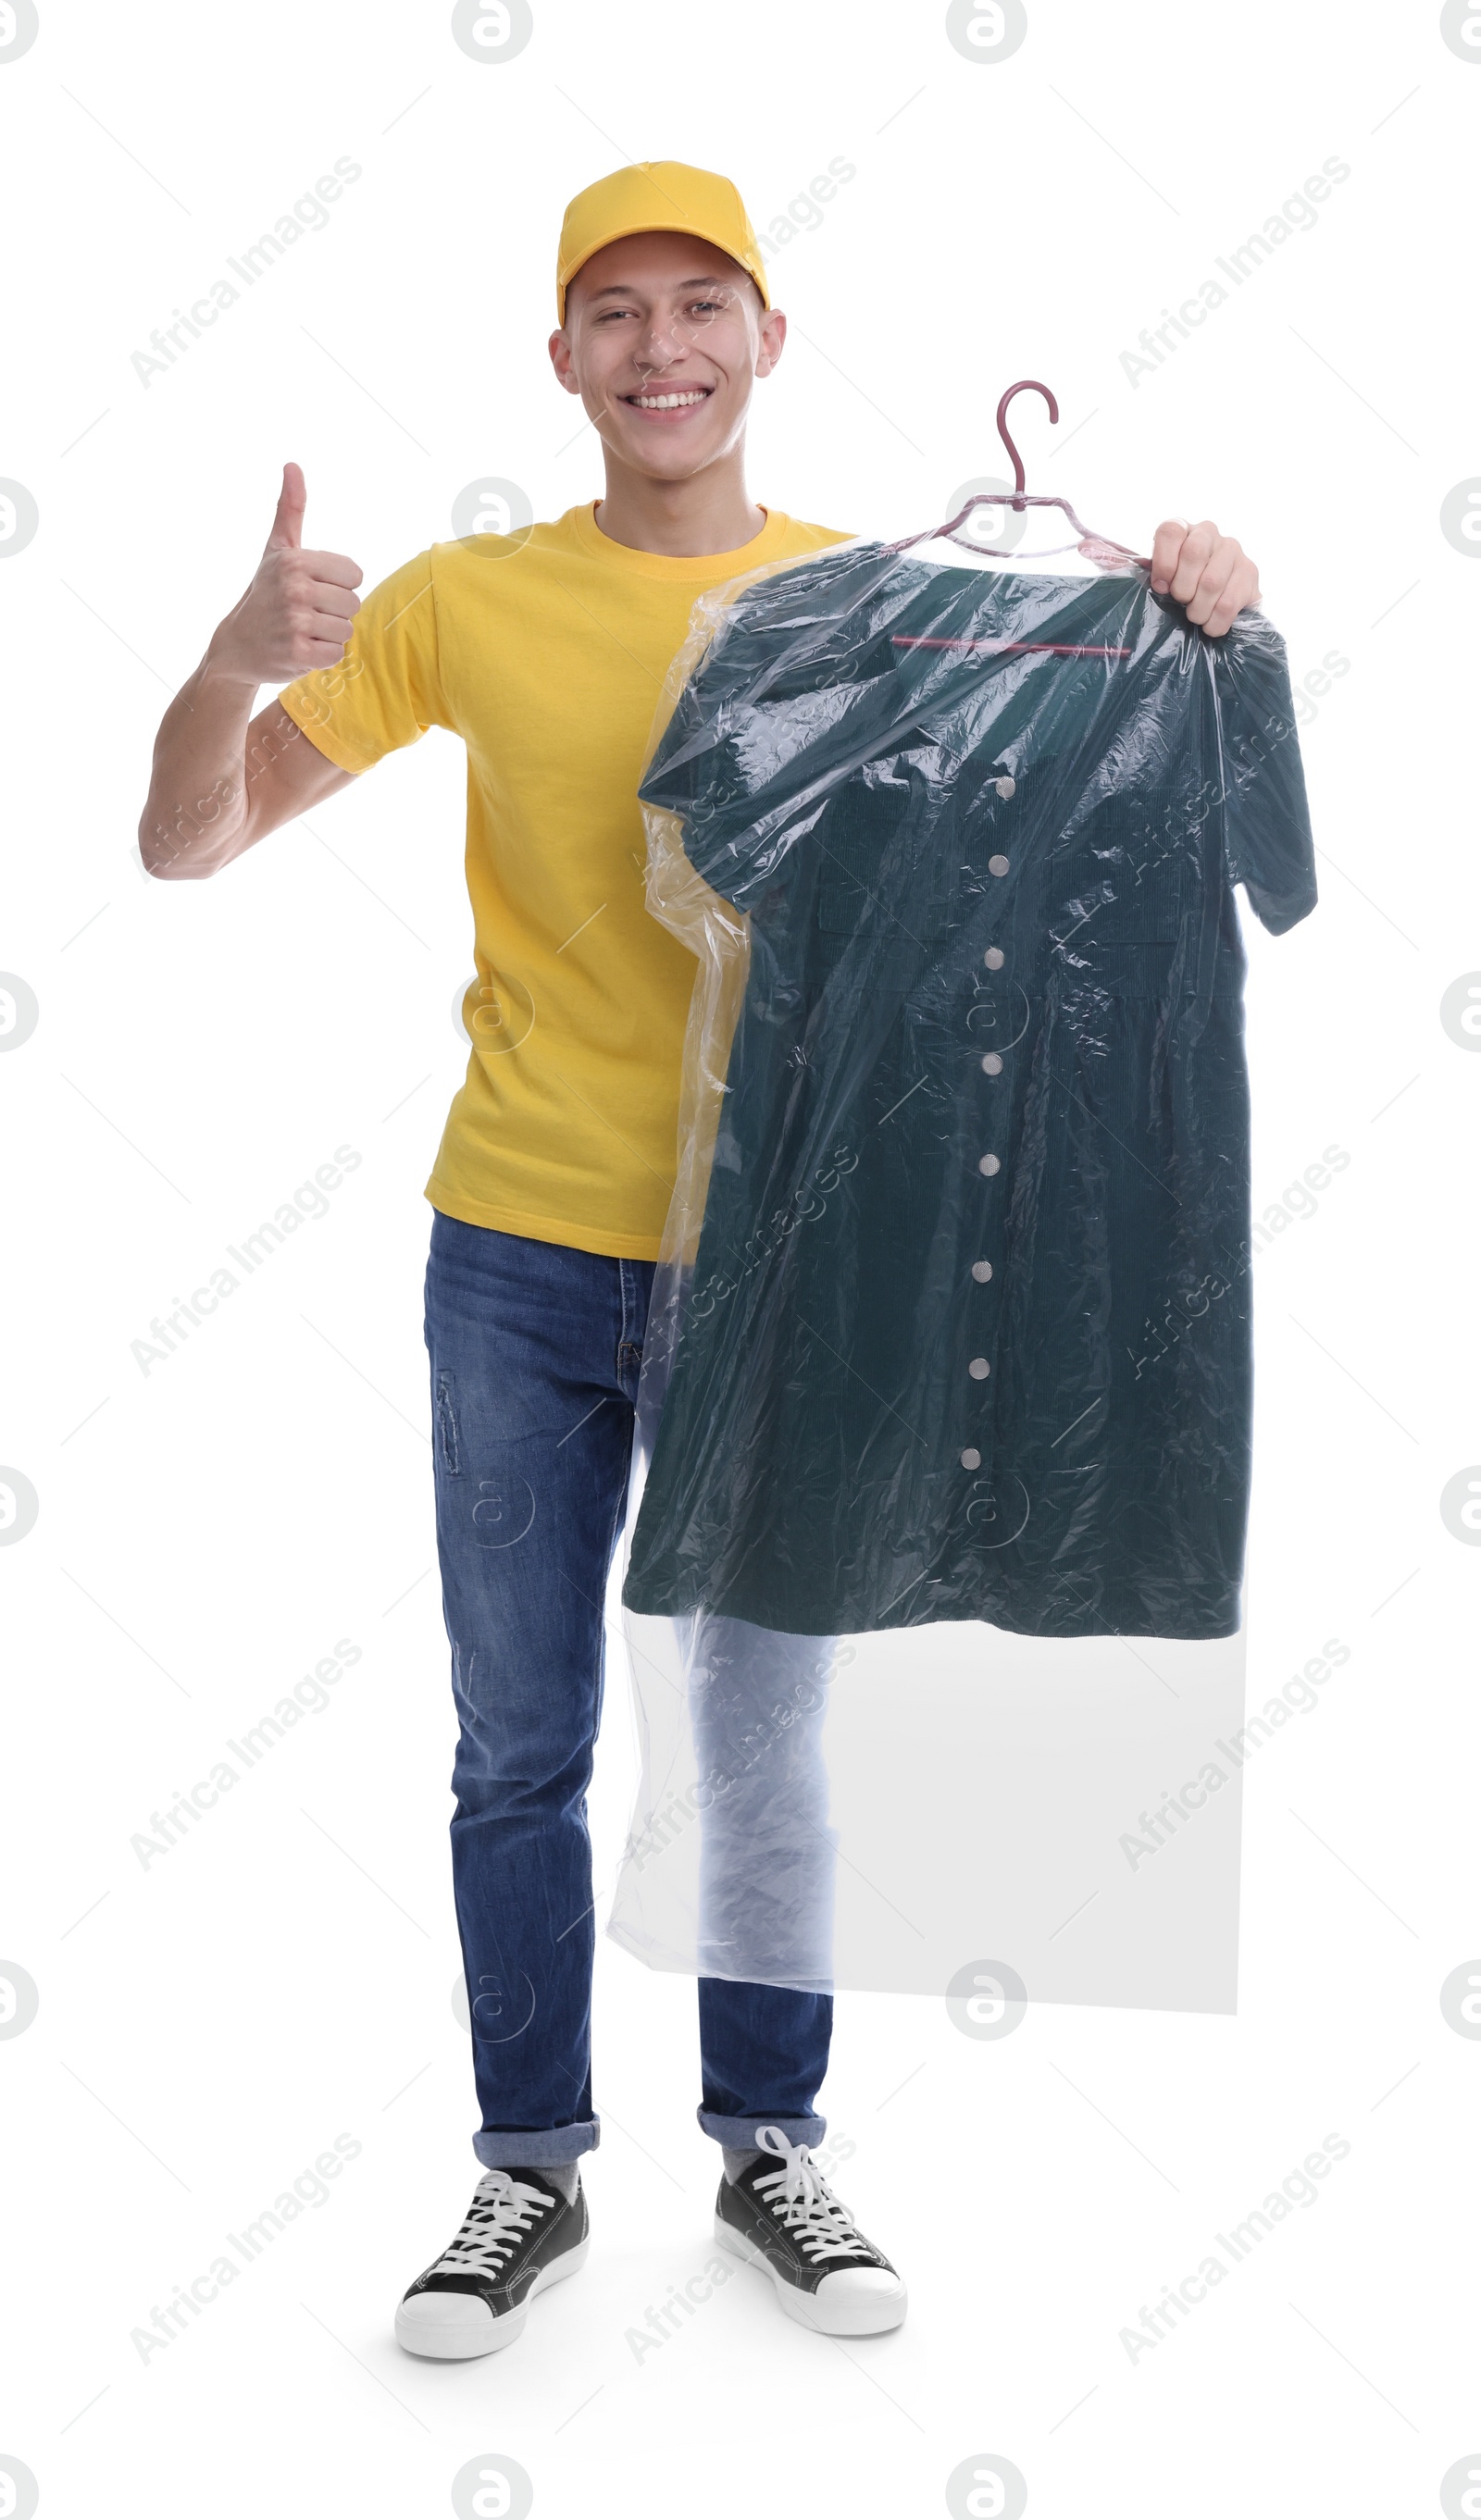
205,1533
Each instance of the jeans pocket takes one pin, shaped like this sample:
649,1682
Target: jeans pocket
447,1423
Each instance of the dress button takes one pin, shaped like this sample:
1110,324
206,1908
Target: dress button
971,1459
990,1165
997,865
992,1064
994,958
982,1269
1006,788
979,1369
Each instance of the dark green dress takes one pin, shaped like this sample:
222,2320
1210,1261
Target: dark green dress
968,1330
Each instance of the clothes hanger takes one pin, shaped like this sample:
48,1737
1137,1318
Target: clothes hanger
1101,548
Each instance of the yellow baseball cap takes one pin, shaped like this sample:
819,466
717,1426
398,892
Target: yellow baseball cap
658,193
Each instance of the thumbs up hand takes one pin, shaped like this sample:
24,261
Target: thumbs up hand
299,610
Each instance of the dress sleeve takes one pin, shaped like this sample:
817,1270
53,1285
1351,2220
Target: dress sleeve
770,717
1267,827
715,768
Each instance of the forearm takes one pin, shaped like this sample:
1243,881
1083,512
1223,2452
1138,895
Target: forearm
196,817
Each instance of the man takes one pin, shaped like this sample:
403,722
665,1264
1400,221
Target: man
546,652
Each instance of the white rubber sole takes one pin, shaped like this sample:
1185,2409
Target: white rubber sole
859,2314
457,2326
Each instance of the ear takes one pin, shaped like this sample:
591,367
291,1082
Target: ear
773,334
560,350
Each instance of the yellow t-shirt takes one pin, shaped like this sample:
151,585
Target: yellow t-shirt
548,656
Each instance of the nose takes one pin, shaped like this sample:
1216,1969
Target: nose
666,341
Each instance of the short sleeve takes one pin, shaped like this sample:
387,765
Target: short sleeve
387,689
1267,827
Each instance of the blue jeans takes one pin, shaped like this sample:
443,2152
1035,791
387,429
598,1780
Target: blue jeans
535,1351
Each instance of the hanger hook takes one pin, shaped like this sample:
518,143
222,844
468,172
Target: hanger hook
1025,384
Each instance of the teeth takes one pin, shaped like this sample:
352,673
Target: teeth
664,402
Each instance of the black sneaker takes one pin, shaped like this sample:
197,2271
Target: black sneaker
781,2216
519,2235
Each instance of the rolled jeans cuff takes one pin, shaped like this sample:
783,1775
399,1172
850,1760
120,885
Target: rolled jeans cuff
738,2134
536,2147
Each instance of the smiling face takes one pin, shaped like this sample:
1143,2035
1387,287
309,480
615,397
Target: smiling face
662,337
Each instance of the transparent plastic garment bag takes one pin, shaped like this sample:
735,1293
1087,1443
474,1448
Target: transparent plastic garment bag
933,1565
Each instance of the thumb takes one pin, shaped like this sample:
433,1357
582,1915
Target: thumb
287,533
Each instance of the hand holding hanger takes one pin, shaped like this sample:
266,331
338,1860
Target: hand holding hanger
1209,573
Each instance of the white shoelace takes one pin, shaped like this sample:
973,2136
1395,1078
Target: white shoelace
503,2210
803,2202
